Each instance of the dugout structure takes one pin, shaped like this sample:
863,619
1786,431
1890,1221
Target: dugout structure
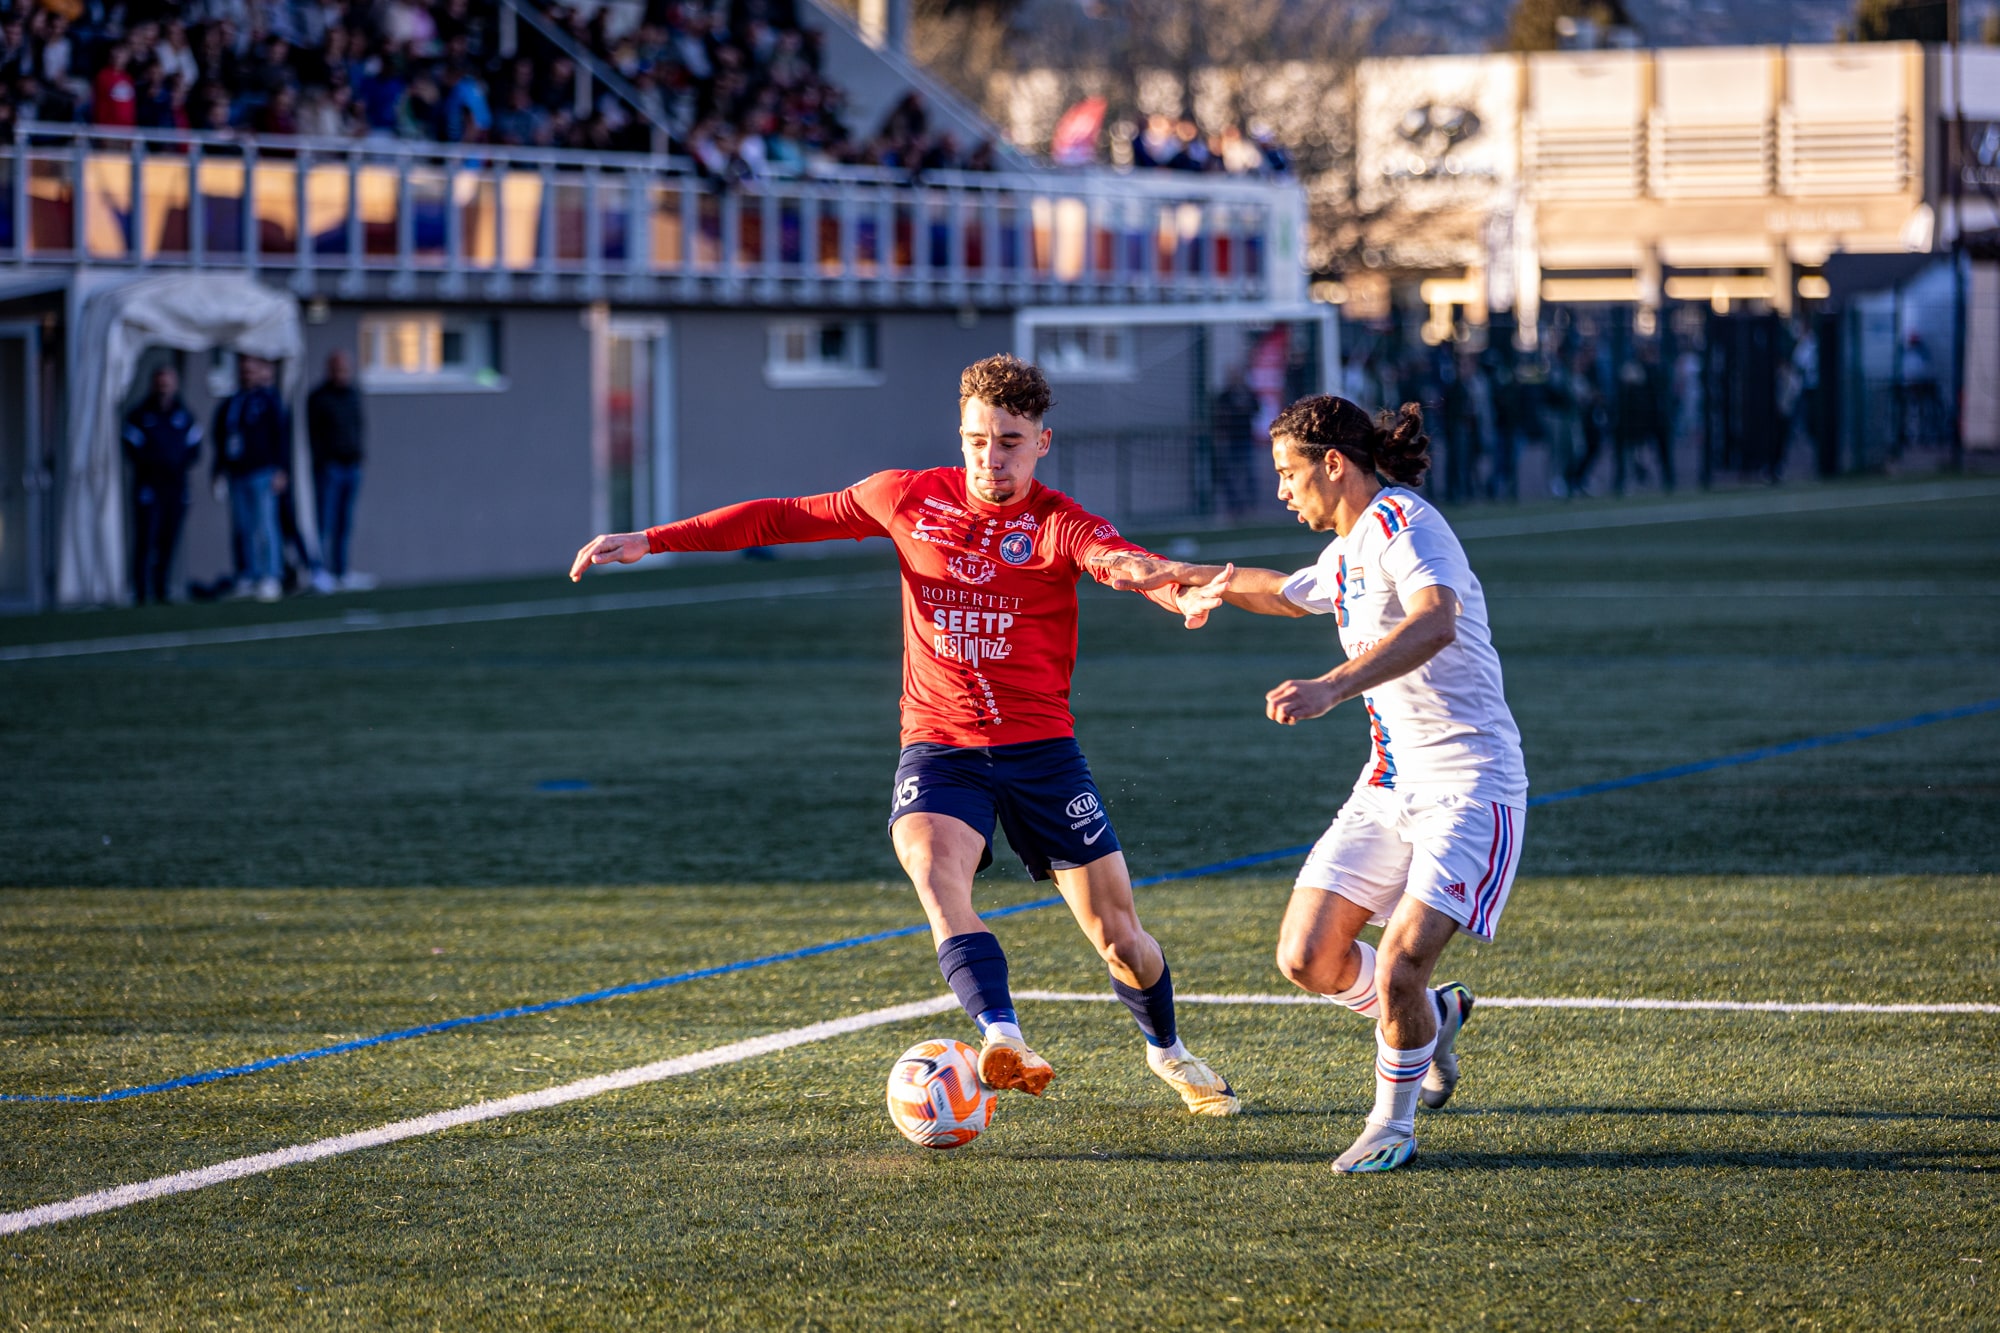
190,313
1162,415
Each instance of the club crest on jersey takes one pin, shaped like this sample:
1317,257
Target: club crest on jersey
970,568
1017,548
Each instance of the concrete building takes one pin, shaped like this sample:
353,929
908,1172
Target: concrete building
1705,174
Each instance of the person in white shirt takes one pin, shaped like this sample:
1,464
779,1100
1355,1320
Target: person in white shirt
1428,842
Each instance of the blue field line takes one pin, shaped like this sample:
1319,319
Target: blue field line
834,946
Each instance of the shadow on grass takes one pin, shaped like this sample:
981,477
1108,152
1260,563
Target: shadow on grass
1755,1113
1950,1161
1947,1161
1750,1112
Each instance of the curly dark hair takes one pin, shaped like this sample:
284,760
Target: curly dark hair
1008,383
1393,444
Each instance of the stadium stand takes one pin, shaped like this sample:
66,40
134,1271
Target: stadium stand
734,85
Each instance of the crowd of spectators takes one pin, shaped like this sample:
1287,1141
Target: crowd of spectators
1180,145
734,84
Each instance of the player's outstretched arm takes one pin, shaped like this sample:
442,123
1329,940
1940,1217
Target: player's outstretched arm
1166,583
612,548
1256,590
1431,624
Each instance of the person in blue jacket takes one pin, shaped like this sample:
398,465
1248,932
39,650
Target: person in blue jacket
253,449
162,441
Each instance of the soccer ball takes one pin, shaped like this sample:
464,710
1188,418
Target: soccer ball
935,1096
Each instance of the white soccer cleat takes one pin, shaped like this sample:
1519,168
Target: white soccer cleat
1379,1148
1454,1007
1205,1091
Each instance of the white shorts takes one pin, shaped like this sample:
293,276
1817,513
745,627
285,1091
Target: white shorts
1456,854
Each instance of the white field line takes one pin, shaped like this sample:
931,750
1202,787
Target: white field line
1750,505
182,1182
360,621
1757,504
1565,1002
1761,588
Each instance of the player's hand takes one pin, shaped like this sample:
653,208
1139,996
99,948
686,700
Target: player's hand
1128,572
1298,701
1197,601
613,548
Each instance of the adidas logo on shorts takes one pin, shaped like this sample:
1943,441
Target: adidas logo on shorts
1455,890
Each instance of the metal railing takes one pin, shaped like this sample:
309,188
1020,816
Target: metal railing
395,219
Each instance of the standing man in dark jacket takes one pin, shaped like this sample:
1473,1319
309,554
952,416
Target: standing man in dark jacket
335,428
253,444
162,441
1233,428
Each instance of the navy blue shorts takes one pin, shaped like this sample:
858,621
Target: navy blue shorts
1042,792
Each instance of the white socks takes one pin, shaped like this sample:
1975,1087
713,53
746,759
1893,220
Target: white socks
1157,1056
1361,997
1001,1028
1398,1076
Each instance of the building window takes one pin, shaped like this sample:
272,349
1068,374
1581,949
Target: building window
822,353
1084,352
418,353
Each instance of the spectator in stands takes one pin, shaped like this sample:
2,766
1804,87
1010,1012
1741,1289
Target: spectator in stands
429,69
522,123
17,54
1155,145
417,111
176,55
335,429
116,99
252,451
1192,151
464,114
279,115
161,104
162,441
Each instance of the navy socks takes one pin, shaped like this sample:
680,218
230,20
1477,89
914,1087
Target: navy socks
976,970
1153,1007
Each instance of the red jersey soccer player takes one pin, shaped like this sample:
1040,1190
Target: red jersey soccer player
990,559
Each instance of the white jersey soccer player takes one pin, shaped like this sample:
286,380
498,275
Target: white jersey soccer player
1428,842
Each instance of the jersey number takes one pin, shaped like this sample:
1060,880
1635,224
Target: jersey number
906,793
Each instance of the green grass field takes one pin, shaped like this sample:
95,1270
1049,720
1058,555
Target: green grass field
217,853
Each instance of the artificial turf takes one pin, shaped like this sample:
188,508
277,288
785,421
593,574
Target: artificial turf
319,839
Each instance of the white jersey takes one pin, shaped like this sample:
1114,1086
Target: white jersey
1443,728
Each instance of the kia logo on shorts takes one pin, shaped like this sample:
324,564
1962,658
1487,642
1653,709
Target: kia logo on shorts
1083,805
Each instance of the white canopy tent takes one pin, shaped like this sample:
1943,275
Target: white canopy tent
191,313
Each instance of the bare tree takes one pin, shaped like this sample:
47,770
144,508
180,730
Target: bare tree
1286,66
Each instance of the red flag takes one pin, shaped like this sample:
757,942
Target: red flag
1074,143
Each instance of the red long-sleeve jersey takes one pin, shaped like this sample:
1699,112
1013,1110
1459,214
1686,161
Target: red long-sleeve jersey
989,592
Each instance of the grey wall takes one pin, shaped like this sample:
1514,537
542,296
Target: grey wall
740,439
483,484
476,484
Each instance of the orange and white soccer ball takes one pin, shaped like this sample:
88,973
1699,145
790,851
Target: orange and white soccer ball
935,1096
